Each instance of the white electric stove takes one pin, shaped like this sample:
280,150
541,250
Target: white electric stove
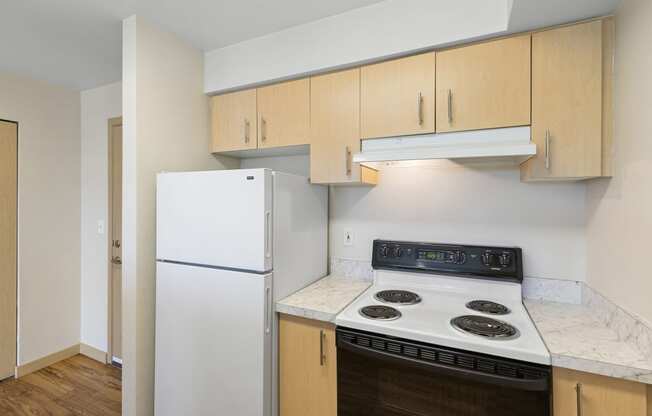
451,311
438,300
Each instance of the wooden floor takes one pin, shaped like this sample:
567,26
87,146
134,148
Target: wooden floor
76,386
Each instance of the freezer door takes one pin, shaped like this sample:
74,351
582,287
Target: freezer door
216,218
213,342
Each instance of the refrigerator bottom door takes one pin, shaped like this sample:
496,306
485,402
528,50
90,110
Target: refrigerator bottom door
213,342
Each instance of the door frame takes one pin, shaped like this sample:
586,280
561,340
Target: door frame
113,122
16,243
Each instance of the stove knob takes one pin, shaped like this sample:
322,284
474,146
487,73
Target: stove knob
384,251
505,260
397,252
460,257
490,259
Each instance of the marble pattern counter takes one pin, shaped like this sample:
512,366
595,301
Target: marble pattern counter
579,340
324,299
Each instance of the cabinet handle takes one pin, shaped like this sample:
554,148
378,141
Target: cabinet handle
547,152
322,354
420,108
578,397
246,131
263,129
450,106
348,160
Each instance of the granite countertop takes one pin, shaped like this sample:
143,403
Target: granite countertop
577,339
324,299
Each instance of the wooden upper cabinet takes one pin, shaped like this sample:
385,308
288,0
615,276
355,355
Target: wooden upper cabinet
307,368
577,393
335,129
234,121
484,86
284,114
398,97
567,101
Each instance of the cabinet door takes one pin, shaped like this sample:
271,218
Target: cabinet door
234,121
582,394
284,114
398,97
335,129
484,86
566,103
308,368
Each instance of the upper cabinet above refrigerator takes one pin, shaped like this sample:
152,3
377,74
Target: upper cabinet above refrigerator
484,86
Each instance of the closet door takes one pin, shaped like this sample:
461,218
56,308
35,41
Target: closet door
8,216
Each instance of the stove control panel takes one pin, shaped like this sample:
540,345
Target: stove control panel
500,263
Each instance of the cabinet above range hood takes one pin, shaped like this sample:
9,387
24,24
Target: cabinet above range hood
511,145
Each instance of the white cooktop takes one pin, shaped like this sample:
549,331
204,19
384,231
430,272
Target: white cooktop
442,299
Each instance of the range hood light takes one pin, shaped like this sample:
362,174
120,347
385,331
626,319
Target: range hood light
507,144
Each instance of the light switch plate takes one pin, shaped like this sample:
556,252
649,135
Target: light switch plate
100,226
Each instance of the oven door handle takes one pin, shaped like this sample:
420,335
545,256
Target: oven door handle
541,384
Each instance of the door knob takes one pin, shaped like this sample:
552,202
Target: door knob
116,260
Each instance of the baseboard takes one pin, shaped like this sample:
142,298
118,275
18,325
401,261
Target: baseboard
48,360
92,352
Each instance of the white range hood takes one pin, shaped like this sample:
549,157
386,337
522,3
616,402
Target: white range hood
505,145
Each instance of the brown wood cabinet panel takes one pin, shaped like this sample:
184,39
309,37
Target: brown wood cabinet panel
335,129
307,368
484,86
398,97
581,394
234,123
567,69
284,114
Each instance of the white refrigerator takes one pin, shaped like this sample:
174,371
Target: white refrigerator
229,244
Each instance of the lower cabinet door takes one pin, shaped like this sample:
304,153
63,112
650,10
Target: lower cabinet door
307,368
581,394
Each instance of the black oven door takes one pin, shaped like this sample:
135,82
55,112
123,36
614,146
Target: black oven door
383,376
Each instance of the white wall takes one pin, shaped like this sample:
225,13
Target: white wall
98,105
386,29
620,209
465,204
165,127
48,213
450,203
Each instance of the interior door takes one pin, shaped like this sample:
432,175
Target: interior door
116,236
213,342
284,111
8,250
219,218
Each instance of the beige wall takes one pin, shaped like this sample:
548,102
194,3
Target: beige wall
619,232
98,105
48,213
165,128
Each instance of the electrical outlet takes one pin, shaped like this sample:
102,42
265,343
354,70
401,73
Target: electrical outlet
100,226
348,238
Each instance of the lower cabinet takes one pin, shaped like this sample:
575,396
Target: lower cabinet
581,394
307,368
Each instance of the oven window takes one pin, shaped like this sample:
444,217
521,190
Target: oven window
372,386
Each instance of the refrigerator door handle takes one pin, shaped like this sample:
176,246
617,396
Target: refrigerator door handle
268,234
268,306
